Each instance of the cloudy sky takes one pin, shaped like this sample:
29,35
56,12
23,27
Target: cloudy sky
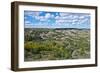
42,19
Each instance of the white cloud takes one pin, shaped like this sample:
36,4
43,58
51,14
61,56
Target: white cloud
36,13
52,16
43,19
29,13
79,21
83,21
57,17
63,21
60,19
69,16
75,16
66,17
25,17
47,15
64,14
75,20
57,14
82,17
37,17
33,14
27,22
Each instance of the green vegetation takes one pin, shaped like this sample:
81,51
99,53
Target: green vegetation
56,44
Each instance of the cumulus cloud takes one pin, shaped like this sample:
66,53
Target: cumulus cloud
28,13
63,14
56,18
82,17
47,15
37,17
83,21
27,22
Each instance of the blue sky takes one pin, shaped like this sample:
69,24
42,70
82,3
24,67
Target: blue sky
42,19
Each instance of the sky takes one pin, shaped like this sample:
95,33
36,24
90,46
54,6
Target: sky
43,19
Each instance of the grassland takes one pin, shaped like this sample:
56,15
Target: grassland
42,44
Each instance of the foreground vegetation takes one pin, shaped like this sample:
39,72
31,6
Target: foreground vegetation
56,44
